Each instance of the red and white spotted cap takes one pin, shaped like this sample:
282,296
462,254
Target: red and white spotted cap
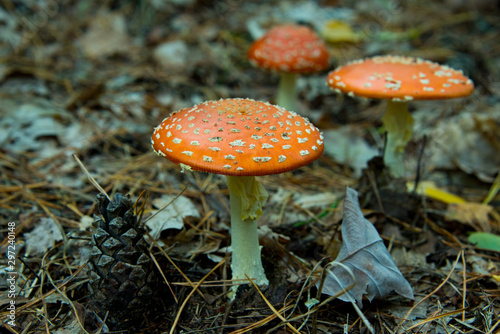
290,48
400,79
237,137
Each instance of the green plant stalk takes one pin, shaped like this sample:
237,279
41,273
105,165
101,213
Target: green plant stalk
246,198
287,97
398,123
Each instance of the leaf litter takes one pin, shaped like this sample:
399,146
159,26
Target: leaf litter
363,261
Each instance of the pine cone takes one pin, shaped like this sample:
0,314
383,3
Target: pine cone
122,276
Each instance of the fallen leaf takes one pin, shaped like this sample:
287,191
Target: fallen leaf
172,216
107,35
429,189
31,126
73,328
43,237
465,141
374,272
348,147
473,214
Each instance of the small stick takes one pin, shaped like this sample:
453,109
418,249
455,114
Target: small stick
418,173
91,179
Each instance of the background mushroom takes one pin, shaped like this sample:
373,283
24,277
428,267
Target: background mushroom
399,80
240,138
289,50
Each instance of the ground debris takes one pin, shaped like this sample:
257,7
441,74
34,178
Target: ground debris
93,79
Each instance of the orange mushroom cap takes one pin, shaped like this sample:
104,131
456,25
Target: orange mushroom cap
400,79
290,48
239,137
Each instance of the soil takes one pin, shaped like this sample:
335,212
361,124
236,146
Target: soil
82,86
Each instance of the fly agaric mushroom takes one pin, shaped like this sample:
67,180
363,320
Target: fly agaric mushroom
399,80
289,50
239,138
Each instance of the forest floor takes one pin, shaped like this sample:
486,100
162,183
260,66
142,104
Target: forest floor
91,79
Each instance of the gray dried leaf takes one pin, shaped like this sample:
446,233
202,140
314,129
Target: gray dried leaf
350,148
364,253
43,237
172,217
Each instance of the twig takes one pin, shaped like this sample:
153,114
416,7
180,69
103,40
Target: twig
163,275
423,322
282,209
493,328
318,293
464,278
67,300
373,183
27,266
285,321
173,263
91,179
260,323
305,283
45,295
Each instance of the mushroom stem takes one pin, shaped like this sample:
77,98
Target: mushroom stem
286,97
246,197
398,124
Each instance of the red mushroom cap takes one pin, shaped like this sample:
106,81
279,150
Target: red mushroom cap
400,78
238,137
290,48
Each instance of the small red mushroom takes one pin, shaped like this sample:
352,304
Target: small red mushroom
240,138
399,80
289,50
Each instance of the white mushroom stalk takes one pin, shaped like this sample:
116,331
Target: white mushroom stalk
246,197
287,96
398,123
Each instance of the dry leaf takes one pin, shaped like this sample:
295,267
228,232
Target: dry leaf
473,214
43,236
364,253
172,216
465,141
348,147
106,35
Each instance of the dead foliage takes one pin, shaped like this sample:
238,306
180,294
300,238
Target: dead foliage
89,78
